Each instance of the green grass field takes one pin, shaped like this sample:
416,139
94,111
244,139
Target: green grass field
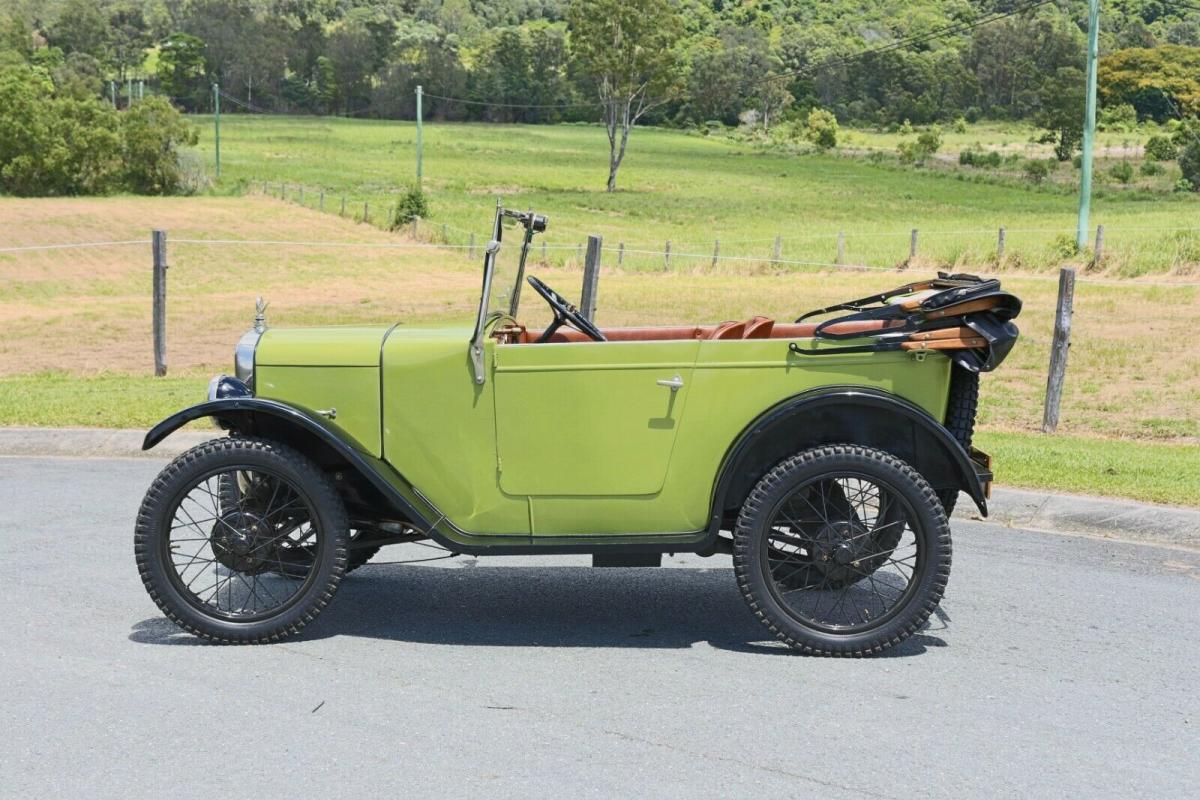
692,190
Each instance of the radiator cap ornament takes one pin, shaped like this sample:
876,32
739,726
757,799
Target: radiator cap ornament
260,315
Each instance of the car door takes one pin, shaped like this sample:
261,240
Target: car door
589,419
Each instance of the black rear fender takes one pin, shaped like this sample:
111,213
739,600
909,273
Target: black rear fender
844,415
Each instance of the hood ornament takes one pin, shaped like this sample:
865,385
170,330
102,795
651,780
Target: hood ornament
260,315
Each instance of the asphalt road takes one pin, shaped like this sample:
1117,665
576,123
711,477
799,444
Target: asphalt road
1061,666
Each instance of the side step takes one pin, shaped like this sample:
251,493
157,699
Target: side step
627,559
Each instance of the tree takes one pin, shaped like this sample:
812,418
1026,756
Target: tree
928,142
502,76
152,132
81,27
628,48
822,128
181,69
772,99
348,50
54,145
1160,83
127,39
1189,164
726,73
1161,148
1061,113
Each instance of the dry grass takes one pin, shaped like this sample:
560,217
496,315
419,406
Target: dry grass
88,310
1134,372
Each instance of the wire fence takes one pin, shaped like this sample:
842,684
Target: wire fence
430,236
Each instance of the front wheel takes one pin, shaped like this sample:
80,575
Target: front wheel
842,551
241,571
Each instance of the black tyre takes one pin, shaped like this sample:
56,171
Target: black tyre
860,596
960,419
238,572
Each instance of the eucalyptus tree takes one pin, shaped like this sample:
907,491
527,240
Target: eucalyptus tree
628,48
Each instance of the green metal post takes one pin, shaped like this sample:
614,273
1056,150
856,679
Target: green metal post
217,124
128,91
112,93
1089,125
420,147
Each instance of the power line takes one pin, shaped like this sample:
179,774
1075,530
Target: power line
243,103
512,105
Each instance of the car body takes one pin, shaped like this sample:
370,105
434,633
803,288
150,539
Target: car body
487,440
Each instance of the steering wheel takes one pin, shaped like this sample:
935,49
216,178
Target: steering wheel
564,313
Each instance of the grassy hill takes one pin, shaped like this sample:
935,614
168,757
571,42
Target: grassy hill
691,190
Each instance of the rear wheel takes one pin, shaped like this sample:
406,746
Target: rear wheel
866,533
236,571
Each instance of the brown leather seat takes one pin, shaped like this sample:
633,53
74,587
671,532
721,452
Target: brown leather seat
755,328
759,328
728,330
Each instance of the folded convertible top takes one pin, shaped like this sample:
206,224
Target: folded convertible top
969,317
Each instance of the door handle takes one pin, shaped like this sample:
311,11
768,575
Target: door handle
674,384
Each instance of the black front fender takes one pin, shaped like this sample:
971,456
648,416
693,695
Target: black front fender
324,442
228,410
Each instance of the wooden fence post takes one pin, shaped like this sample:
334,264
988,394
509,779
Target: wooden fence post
716,252
1099,253
841,254
415,222
777,253
579,254
471,246
912,245
545,259
158,248
620,253
445,234
667,257
591,277
366,212
1058,348
1000,244
321,202
301,195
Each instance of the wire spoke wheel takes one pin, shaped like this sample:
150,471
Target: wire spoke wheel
247,559
241,540
841,552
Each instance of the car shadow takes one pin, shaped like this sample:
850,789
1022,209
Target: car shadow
529,606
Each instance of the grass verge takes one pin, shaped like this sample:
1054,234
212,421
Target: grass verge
1152,471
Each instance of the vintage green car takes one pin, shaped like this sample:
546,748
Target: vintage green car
825,457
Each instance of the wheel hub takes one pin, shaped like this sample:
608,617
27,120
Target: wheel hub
239,541
838,547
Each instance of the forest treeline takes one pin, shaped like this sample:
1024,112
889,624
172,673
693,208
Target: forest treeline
513,60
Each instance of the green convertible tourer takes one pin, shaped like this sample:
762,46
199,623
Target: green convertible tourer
824,454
